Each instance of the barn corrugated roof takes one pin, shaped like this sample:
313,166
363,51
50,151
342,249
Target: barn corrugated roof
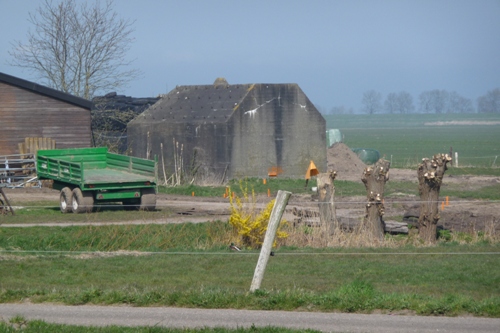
197,103
37,88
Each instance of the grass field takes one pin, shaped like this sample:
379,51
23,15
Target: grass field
190,265
406,139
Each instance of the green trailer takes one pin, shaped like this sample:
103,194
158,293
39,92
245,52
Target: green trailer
88,176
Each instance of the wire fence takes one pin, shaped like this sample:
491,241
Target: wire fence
241,253
317,203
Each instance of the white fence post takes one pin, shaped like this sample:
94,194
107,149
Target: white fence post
272,227
456,159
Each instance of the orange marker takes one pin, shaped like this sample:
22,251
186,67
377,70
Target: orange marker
442,205
192,194
447,201
268,192
264,181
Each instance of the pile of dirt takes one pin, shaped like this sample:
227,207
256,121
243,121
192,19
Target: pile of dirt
343,160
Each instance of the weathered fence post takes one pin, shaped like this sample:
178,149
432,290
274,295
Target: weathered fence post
326,194
430,176
8,207
374,179
272,227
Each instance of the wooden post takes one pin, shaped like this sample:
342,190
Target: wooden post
6,202
430,176
374,179
272,227
326,194
163,164
148,146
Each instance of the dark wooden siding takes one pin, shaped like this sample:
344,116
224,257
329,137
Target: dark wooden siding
24,113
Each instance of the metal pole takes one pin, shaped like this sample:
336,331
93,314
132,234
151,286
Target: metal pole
265,252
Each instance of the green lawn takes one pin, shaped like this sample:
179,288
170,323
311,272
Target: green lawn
191,265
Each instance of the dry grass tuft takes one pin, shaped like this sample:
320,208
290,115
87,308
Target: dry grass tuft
320,237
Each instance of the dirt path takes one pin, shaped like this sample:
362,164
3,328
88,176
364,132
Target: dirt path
461,215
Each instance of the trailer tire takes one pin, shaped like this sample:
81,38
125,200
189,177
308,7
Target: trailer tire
83,202
65,200
148,199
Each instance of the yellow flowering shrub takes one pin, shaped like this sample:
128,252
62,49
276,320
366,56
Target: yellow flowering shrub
248,222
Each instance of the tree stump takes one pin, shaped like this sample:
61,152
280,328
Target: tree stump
430,176
374,178
326,194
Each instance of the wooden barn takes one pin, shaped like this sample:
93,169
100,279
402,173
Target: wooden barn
232,131
30,110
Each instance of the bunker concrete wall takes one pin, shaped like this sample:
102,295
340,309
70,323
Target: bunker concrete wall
277,127
273,126
208,140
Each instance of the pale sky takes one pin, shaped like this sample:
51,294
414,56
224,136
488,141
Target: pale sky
334,50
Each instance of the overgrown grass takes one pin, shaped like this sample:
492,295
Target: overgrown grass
21,325
149,237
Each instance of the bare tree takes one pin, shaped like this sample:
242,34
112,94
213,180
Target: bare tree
489,103
77,48
391,103
434,101
374,178
459,104
401,102
430,177
372,101
405,102
441,101
425,101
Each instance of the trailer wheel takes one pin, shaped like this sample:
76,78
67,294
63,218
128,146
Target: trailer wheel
65,200
148,199
83,202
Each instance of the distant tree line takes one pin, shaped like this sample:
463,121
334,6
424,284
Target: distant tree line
431,101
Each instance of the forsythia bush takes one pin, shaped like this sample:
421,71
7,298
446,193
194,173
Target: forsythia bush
248,222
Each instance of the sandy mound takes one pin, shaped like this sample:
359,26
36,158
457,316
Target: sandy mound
343,160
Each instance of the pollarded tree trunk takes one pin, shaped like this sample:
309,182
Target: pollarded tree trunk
326,196
374,178
430,177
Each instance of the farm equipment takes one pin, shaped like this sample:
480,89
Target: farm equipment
15,171
88,176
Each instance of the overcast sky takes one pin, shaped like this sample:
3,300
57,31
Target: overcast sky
334,50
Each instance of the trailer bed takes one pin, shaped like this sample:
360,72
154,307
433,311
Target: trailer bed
95,169
107,175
